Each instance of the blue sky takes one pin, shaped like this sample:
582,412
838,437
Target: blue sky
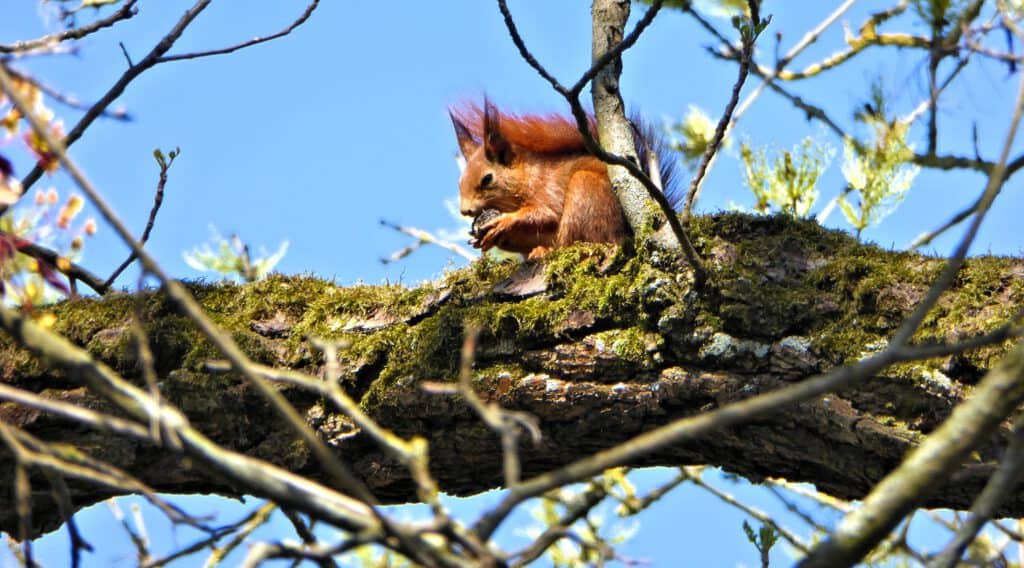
314,138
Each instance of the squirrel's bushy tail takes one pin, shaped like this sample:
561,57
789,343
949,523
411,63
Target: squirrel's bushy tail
657,159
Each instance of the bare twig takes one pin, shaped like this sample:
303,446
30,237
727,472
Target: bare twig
749,31
71,270
205,542
68,100
808,39
422,237
576,509
693,474
926,238
258,519
254,41
158,199
126,11
971,421
583,124
507,424
1002,482
93,419
62,495
115,91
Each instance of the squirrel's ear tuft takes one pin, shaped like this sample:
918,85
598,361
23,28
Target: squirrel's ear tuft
467,144
496,147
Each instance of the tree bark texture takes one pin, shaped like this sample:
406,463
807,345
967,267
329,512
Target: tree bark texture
599,346
614,130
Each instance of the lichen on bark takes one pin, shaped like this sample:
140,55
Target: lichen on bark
600,345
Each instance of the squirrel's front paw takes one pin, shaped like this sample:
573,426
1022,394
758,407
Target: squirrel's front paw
490,233
476,231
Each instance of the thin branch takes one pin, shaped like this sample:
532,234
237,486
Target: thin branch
67,100
62,496
158,199
115,91
998,394
764,518
615,52
254,41
867,36
98,420
583,124
749,31
812,111
576,509
72,271
126,11
202,543
423,237
809,38
927,237
260,518
1002,482
507,424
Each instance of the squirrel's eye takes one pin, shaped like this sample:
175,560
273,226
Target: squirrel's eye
487,179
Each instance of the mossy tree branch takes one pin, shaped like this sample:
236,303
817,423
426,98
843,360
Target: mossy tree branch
611,347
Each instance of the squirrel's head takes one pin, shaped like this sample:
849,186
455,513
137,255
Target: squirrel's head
490,179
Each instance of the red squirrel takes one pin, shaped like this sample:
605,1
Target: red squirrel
531,185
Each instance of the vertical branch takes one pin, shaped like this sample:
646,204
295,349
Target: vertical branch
631,186
601,60
613,128
749,30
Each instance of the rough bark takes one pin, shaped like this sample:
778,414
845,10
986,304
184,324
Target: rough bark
597,345
614,129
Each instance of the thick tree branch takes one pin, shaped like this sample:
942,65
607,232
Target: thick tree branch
611,349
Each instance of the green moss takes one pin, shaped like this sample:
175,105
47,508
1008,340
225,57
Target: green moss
774,276
631,345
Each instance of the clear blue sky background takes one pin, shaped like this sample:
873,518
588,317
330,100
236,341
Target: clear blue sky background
315,137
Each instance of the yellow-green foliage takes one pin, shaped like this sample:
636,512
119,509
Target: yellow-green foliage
789,183
878,174
696,131
232,258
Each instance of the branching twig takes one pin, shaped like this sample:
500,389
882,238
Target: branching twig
1002,482
422,237
115,91
749,32
507,424
254,41
998,394
126,11
809,38
693,474
576,509
158,199
67,100
583,124
71,270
